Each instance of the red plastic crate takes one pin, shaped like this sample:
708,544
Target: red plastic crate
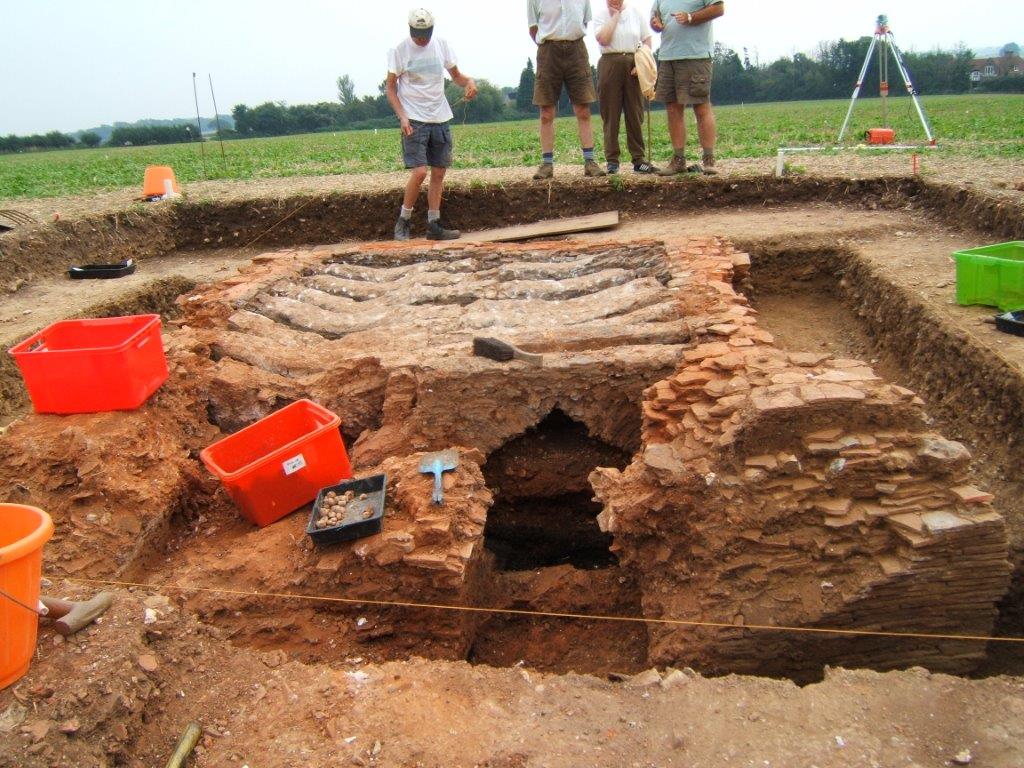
280,463
88,366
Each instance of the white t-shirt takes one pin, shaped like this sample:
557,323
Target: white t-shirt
420,72
629,34
558,19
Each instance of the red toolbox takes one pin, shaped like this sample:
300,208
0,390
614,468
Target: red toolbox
88,366
280,463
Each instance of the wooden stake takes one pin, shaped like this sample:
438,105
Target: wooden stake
186,744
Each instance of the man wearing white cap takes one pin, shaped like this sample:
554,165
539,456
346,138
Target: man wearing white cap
415,89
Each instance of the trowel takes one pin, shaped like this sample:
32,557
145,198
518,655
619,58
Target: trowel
437,464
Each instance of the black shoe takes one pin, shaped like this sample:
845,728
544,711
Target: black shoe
644,167
436,231
613,168
403,229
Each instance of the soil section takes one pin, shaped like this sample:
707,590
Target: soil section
121,694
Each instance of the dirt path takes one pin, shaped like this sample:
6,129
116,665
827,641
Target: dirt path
39,304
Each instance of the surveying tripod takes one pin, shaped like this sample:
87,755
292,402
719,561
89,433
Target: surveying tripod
884,42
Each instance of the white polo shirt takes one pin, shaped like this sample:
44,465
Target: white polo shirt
558,19
420,72
629,34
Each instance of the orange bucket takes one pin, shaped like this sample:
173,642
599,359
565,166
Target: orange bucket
23,532
153,182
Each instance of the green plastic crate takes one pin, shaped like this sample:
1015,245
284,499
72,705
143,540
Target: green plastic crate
992,275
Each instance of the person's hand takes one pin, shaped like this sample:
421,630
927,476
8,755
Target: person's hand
656,23
632,72
681,18
614,6
406,127
471,89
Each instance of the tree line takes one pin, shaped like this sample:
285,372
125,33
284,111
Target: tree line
351,112
828,73
832,72
139,133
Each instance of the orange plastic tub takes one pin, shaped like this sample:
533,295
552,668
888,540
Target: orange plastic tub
23,532
154,181
88,366
280,463
881,136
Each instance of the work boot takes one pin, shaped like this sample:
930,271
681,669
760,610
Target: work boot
591,168
403,229
613,168
644,167
544,172
709,166
436,231
674,168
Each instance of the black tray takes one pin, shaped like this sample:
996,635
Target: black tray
354,526
1011,322
102,271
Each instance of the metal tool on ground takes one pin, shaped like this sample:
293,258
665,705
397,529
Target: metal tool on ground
437,464
186,744
72,617
503,352
884,42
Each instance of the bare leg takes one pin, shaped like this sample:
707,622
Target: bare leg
547,129
583,124
435,189
412,188
677,126
706,128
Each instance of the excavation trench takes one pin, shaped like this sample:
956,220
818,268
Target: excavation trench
818,298
650,468
572,495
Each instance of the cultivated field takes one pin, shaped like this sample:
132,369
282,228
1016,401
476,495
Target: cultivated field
967,126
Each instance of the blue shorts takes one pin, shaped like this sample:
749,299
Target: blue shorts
430,144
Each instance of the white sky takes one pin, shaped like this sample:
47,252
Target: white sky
69,64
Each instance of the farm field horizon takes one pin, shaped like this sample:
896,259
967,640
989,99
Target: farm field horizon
968,126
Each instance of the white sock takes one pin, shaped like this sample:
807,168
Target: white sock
433,215
406,213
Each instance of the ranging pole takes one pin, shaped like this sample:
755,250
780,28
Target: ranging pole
216,116
199,123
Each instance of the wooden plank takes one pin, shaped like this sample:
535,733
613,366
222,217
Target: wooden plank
593,222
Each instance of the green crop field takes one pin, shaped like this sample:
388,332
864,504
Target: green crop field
973,126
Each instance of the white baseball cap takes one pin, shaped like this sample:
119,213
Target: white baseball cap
421,18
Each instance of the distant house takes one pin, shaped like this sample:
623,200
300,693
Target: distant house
1007,63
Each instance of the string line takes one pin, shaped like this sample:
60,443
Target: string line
549,614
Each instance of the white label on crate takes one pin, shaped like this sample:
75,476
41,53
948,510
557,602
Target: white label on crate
294,465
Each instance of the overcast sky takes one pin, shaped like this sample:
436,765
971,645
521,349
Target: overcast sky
69,64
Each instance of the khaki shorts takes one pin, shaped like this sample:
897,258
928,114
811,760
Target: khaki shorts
684,81
563,62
